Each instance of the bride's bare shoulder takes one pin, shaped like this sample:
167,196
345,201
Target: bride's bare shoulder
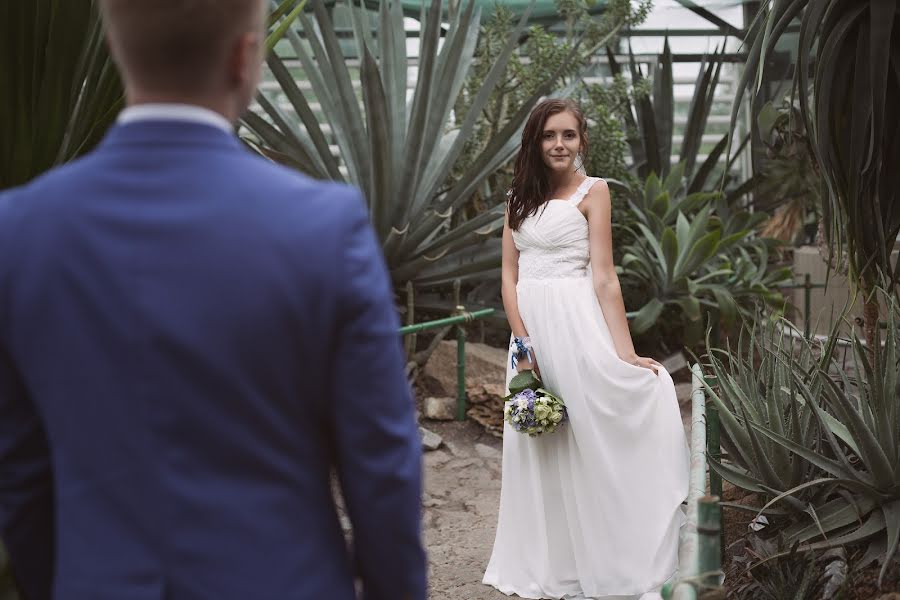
598,193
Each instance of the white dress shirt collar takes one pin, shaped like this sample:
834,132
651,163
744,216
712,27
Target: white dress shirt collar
174,112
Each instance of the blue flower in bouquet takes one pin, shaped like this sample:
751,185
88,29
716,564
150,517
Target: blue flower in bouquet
533,410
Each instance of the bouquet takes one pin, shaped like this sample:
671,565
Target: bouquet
530,408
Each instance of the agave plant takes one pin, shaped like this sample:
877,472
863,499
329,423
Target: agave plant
761,382
696,252
649,120
795,575
851,48
841,484
400,154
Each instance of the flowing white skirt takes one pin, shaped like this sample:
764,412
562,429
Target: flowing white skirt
594,509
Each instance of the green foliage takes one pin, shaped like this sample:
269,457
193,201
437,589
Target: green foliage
821,443
59,90
790,186
648,116
764,572
696,252
542,58
851,50
608,147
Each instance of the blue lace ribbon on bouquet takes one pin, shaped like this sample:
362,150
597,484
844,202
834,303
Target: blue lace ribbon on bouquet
521,349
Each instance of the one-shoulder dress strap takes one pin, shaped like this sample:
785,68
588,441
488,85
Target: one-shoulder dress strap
582,190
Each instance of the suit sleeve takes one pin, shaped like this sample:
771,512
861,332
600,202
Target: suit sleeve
378,444
26,488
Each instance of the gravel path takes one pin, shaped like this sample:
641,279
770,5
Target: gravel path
462,496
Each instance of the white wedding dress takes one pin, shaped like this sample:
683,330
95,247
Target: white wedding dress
594,509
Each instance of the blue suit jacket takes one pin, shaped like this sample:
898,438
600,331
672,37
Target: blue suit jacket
192,340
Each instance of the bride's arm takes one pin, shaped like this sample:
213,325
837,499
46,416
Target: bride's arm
509,279
606,282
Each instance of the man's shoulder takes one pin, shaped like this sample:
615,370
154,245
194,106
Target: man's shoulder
291,189
33,195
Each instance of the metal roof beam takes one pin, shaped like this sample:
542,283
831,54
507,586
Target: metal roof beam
724,26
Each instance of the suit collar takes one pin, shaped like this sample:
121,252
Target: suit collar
175,112
164,132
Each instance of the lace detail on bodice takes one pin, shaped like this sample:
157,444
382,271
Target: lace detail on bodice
553,243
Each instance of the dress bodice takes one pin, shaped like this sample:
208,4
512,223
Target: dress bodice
553,243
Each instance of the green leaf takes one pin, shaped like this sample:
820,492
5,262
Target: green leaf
691,307
826,464
664,105
726,304
524,380
871,452
892,525
704,249
279,32
832,516
739,477
647,316
670,252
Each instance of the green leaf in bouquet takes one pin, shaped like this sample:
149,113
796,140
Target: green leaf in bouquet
525,380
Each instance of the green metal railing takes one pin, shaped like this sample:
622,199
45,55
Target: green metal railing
460,318
807,286
700,547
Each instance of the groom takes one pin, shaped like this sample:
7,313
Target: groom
192,340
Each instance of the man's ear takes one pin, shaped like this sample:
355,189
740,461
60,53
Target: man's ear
241,54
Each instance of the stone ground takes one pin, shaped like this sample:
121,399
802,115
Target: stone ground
462,496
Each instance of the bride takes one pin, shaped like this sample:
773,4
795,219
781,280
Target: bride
592,510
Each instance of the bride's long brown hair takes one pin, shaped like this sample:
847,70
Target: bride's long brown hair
531,181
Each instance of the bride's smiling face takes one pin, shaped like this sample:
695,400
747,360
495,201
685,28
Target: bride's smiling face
560,141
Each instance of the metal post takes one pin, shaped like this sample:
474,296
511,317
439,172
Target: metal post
710,552
807,303
688,548
460,368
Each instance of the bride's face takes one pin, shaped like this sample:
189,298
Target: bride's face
560,142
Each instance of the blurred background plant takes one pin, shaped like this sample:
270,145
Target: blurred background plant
59,89
850,51
790,186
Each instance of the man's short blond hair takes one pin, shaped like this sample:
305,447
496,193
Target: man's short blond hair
176,45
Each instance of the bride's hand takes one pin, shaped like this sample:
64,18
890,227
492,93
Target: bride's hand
645,362
529,363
